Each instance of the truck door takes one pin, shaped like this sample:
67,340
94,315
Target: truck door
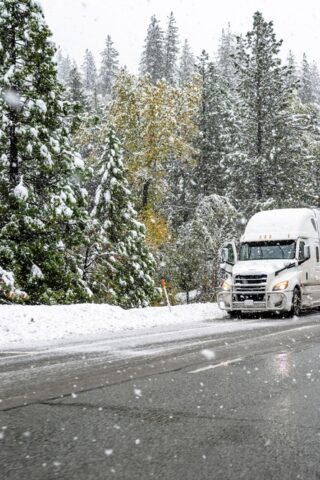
306,257
229,256
315,270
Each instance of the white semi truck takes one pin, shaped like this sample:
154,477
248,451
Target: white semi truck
277,265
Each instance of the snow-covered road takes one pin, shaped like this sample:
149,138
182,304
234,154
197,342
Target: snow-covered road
42,327
59,330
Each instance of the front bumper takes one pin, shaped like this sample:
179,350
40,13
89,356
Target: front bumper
246,302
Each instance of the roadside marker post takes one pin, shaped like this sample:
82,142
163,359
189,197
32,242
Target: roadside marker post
164,287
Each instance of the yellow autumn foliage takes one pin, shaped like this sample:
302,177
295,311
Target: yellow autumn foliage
156,123
157,230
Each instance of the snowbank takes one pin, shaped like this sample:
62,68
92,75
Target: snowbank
35,326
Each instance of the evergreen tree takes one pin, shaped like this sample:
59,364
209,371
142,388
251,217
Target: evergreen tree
226,52
171,50
152,60
42,211
306,92
271,163
64,65
75,87
315,78
187,64
89,72
293,76
109,67
216,126
123,266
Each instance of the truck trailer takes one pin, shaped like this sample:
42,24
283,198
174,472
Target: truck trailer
276,267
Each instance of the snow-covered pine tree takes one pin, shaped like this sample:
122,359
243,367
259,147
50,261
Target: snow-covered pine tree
90,80
123,265
74,87
315,77
89,71
109,67
171,49
64,65
293,75
216,125
152,59
226,51
187,64
272,162
306,85
42,211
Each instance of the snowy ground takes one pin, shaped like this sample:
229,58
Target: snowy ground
45,326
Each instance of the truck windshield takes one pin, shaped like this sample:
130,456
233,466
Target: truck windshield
283,249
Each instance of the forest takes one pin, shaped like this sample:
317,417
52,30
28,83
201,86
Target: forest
110,181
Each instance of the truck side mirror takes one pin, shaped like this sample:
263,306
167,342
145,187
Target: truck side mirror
306,252
224,255
227,255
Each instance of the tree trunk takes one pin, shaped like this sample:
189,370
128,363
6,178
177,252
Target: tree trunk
13,150
145,193
187,297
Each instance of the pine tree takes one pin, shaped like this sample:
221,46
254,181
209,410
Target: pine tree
292,77
152,60
89,71
306,85
216,127
42,211
187,64
271,163
315,78
64,65
90,80
109,67
75,87
226,52
171,50
123,266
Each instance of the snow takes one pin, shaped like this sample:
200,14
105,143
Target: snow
24,326
208,354
41,105
9,74
6,277
20,190
13,99
36,272
280,224
78,161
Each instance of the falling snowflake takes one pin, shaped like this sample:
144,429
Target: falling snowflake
208,354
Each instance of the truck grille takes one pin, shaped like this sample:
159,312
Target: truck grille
251,283
249,287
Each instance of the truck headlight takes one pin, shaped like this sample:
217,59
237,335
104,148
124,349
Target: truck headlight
281,285
226,286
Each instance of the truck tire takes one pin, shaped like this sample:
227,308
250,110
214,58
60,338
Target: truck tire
234,313
296,303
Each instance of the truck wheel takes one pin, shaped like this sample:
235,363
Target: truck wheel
296,303
234,313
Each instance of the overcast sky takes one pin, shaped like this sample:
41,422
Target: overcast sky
81,24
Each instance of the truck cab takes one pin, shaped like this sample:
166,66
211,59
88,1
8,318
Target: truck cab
276,266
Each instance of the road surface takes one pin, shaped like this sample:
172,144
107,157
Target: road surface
226,400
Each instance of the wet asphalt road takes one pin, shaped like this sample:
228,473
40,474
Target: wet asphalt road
252,412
